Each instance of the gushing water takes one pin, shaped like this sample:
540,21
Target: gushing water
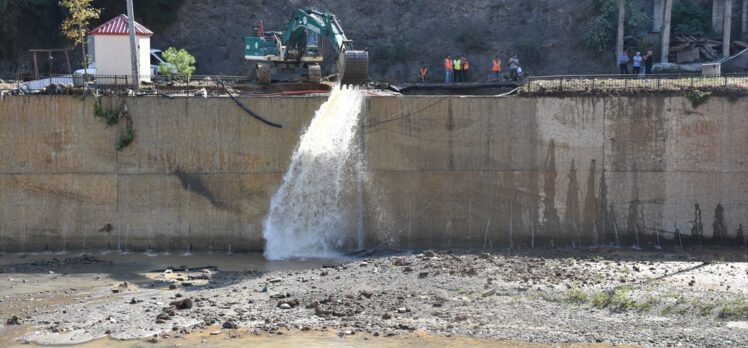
314,212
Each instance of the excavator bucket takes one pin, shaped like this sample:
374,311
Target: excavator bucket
354,67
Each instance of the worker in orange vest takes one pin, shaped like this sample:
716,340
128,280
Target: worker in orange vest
465,69
449,69
424,73
496,68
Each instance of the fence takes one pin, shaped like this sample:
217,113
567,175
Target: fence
632,83
153,83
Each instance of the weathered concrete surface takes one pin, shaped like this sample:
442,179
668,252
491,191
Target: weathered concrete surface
476,172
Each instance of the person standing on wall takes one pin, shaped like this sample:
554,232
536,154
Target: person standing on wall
623,63
448,69
465,69
513,65
424,73
495,69
648,62
637,63
457,62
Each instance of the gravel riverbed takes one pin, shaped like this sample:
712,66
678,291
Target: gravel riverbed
613,297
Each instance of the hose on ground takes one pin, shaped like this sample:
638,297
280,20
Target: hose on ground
248,110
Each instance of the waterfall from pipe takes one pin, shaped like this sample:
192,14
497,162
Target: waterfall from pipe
316,211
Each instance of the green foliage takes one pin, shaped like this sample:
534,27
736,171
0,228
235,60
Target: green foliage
734,309
181,60
697,97
601,299
110,116
622,300
647,304
75,26
618,299
599,33
80,13
691,17
125,139
576,296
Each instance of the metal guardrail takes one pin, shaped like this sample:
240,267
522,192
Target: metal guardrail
632,83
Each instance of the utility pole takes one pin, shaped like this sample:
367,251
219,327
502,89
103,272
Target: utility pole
133,46
744,24
658,11
665,32
726,29
621,23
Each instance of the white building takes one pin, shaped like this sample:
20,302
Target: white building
112,48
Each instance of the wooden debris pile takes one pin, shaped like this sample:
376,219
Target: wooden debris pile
691,49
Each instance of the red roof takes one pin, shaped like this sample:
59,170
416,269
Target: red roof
120,26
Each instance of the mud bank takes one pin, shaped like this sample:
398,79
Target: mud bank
443,172
599,296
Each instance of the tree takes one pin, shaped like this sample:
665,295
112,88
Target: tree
726,29
598,34
75,26
665,32
691,17
177,61
621,21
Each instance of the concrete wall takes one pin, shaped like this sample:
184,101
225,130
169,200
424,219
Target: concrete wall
476,172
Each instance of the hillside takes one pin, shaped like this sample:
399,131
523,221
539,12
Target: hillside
399,34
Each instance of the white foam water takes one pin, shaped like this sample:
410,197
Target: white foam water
314,213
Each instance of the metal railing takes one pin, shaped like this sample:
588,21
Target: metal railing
632,83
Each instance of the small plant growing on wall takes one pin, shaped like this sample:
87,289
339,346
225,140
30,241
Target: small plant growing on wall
112,117
697,97
125,138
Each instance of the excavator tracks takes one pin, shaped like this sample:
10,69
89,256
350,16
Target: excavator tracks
263,73
314,73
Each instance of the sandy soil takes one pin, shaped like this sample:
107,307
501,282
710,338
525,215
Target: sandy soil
616,297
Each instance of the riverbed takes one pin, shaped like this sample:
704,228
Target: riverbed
443,298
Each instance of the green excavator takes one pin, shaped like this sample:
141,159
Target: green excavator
295,55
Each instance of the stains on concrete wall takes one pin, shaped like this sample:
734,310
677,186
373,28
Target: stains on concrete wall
473,172
195,184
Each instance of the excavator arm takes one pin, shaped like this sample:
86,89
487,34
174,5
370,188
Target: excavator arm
353,65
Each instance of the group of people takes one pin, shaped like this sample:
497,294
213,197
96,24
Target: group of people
636,63
457,69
